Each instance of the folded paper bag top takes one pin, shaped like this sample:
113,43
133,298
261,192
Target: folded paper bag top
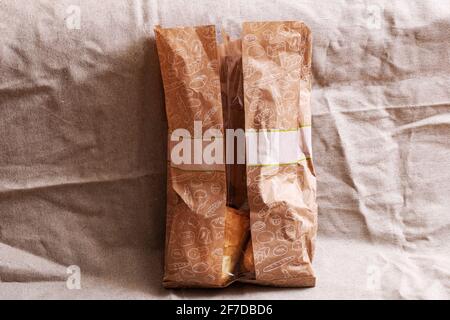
254,221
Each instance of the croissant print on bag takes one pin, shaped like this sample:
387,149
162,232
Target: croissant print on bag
241,189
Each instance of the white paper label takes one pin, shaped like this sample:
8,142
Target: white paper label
278,147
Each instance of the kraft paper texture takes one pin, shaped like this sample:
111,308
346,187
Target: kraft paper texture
276,77
282,198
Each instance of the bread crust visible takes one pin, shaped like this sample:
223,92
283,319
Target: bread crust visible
237,226
248,262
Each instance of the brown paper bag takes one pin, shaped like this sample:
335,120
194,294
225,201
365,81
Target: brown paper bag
201,235
261,84
281,180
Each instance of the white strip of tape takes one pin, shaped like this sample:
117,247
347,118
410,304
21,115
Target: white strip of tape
278,147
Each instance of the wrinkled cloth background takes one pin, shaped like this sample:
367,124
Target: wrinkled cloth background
83,154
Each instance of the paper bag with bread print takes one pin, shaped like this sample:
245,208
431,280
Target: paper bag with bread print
204,239
265,88
280,174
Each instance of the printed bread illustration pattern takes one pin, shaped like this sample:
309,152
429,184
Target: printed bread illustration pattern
255,221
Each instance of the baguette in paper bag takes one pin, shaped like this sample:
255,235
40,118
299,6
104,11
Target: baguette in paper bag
264,87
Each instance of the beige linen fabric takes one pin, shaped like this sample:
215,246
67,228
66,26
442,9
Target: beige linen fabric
83,151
